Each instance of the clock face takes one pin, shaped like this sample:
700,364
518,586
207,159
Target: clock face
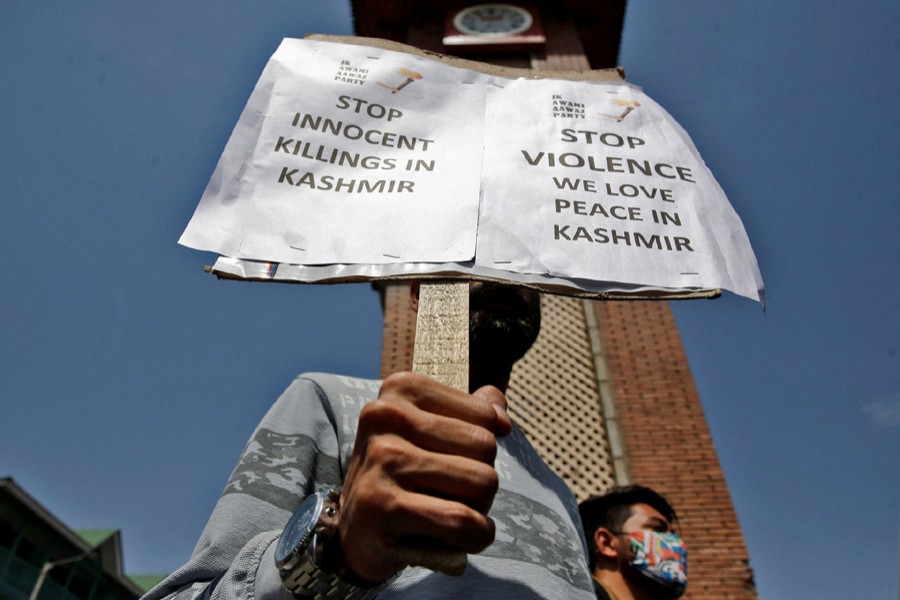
493,20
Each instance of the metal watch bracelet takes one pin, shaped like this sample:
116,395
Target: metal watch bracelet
300,571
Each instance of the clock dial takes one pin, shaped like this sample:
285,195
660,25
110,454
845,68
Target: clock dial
493,20
494,28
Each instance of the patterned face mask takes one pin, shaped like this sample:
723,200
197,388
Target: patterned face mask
662,557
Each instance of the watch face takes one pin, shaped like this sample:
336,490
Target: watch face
493,20
299,528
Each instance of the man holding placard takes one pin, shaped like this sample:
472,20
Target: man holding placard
409,171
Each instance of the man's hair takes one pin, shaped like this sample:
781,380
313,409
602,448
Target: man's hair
613,508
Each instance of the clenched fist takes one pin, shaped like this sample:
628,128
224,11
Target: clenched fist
421,478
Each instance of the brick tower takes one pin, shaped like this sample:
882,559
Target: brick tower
606,395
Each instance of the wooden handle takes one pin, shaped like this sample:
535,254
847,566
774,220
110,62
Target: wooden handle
442,333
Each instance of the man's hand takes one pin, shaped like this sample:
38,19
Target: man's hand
421,478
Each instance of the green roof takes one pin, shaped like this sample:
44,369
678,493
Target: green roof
146,582
94,537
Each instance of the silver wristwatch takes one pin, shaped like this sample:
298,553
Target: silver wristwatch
300,551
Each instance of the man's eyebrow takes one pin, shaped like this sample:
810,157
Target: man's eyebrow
657,523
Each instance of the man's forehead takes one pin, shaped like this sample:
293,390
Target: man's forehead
643,514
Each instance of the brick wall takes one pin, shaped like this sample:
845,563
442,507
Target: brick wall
399,328
668,443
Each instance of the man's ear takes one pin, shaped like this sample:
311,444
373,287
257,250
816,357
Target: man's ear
414,295
606,543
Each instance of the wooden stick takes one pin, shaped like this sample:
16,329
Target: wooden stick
442,333
442,353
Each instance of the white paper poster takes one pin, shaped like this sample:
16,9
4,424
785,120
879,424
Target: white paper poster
349,154
354,162
596,181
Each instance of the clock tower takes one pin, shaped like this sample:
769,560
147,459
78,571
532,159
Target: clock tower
606,394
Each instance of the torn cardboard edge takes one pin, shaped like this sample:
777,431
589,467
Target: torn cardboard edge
235,270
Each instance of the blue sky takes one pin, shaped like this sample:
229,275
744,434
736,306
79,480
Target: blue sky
130,380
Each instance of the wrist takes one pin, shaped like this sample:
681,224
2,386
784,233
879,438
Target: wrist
309,557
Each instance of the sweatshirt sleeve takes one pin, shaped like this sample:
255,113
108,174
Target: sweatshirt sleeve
293,452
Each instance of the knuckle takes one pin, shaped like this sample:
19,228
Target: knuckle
476,532
492,394
369,416
402,383
460,517
487,534
488,480
389,452
370,410
483,484
381,414
483,443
